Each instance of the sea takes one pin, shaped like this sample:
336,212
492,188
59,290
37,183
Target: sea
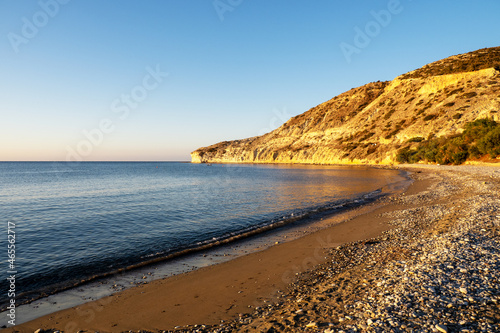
74,222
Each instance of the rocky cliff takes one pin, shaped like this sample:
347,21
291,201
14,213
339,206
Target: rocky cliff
369,124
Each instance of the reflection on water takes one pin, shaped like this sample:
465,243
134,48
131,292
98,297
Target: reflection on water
78,220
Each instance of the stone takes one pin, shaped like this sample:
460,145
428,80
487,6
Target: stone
441,328
312,325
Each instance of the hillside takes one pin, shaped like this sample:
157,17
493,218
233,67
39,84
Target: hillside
369,124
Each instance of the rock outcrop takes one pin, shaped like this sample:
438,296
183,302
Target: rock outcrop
370,123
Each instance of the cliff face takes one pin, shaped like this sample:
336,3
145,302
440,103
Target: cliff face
369,124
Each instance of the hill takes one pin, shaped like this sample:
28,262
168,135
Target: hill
371,123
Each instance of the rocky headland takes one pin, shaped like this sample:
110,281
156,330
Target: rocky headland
370,123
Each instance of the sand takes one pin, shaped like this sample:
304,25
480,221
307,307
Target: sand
225,291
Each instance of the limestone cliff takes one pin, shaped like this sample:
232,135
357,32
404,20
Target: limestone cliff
369,124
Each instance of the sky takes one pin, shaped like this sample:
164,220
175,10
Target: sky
93,80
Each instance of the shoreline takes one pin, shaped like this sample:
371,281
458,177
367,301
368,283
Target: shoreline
221,250
305,216
299,231
259,280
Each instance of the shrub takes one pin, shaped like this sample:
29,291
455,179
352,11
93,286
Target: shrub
454,151
404,155
430,117
474,151
366,136
362,106
456,91
371,149
477,129
469,94
490,143
480,137
409,100
389,114
430,152
396,130
416,139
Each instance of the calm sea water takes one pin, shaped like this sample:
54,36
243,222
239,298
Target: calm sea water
74,221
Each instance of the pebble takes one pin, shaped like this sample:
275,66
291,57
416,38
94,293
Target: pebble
442,328
312,325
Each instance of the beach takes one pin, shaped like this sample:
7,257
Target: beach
423,260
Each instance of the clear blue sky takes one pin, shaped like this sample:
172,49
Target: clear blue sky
154,80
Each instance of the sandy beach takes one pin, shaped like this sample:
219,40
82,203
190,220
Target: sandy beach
424,260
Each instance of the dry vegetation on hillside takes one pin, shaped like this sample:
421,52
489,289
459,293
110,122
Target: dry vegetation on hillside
468,62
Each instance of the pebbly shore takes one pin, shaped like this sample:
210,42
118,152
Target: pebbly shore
436,270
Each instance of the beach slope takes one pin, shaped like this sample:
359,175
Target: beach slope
427,257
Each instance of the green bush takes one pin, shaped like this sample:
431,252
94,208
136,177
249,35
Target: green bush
454,151
429,151
478,129
404,155
474,151
480,137
469,94
490,143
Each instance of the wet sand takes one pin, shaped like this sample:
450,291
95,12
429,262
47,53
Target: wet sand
225,291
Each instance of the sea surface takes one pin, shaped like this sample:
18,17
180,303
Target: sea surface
74,222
